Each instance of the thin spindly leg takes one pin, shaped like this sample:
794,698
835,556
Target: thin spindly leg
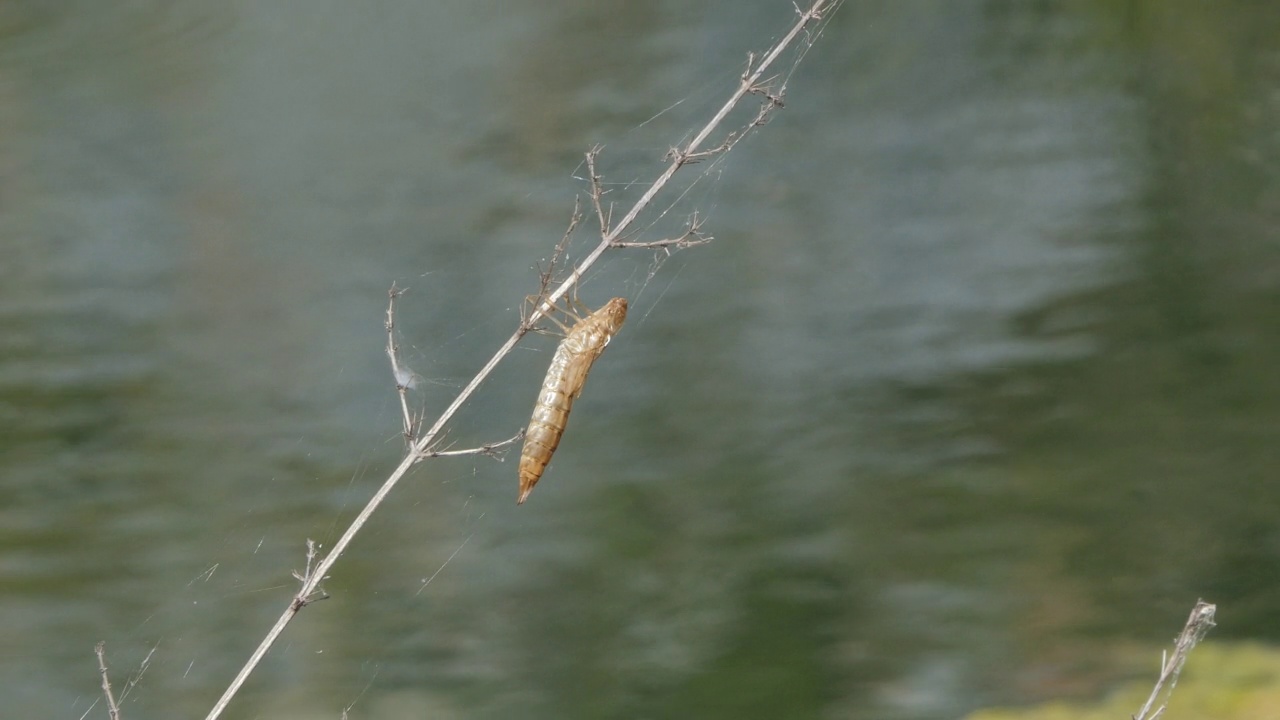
534,301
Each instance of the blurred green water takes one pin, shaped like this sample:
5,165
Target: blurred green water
974,387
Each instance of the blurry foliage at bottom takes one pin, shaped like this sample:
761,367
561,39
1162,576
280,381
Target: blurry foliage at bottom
1220,681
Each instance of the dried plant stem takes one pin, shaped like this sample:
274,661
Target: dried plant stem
405,378
112,708
690,152
489,449
1199,623
691,237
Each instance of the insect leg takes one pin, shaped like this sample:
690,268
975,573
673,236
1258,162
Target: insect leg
570,316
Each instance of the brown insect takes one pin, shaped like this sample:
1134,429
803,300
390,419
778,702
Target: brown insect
562,385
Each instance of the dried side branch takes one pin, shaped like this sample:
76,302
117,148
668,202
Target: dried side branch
749,83
1198,624
406,379
692,236
112,708
597,191
612,231
547,276
310,591
490,449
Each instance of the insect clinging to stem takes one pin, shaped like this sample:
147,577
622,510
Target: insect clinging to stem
582,345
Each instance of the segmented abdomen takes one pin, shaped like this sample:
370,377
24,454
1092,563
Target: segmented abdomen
562,385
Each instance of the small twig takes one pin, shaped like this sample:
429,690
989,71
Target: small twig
491,449
597,191
112,708
772,101
574,219
546,277
692,236
1198,624
764,89
405,378
311,590
683,156
528,322
750,85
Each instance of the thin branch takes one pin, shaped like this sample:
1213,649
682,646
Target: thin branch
749,80
1198,624
112,708
405,378
311,582
693,236
684,157
310,591
597,191
491,449
545,277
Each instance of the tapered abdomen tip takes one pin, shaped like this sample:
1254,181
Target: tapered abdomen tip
526,487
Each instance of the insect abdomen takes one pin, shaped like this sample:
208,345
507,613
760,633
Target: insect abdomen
562,385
